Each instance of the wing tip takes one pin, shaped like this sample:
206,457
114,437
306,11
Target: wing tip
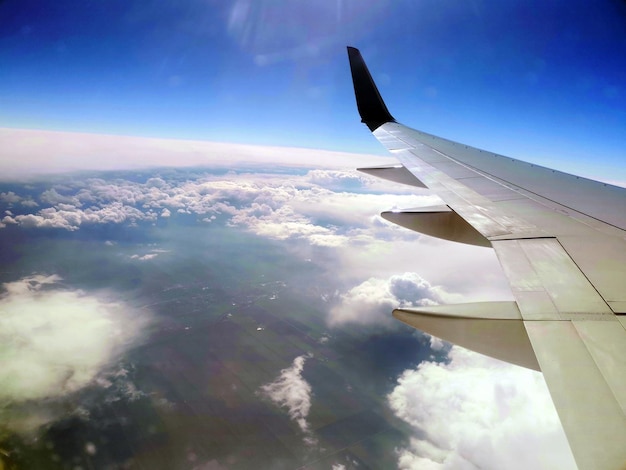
372,108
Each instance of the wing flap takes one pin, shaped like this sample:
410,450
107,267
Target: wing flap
603,260
592,418
606,343
546,283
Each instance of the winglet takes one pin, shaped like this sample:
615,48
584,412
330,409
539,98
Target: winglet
371,106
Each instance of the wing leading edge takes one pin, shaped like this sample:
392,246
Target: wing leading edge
561,241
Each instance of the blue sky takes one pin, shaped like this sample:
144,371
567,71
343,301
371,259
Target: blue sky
542,81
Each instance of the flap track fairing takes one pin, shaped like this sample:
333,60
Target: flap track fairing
438,221
495,329
396,173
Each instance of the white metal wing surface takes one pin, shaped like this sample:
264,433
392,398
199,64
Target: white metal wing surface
561,240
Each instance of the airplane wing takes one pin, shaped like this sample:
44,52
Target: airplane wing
561,241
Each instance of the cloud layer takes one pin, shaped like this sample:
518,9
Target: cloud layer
25,152
268,205
477,412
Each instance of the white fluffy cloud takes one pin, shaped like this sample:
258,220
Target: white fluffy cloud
478,412
271,206
9,197
329,178
55,341
69,217
372,301
291,391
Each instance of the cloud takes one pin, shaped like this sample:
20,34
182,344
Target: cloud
9,198
295,209
291,391
51,196
25,152
55,342
69,217
390,251
478,412
372,301
145,257
284,223
29,203
269,205
338,178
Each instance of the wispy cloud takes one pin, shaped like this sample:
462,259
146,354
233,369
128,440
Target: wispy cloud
144,257
291,391
478,412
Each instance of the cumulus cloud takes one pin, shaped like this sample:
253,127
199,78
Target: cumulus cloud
29,202
284,223
339,178
478,412
442,263
9,197
291,391
372,301
56,341
69,217
269,205
51,196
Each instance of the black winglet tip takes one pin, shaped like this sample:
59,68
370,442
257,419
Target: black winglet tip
372,108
